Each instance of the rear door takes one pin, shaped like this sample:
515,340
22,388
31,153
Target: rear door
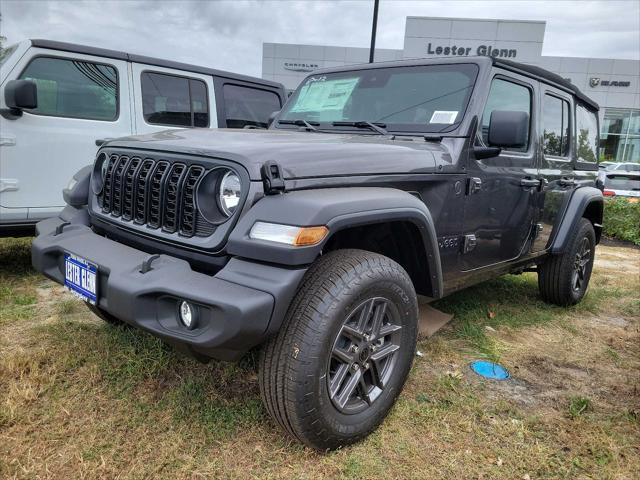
500,203
81,99
556,166
244,104
170,98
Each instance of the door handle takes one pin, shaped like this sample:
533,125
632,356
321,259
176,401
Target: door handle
9,185
567,182
529,182
102,141
474,185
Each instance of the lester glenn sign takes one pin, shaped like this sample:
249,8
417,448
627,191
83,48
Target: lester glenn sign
485,50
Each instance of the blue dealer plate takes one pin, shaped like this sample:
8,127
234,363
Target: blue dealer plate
81,277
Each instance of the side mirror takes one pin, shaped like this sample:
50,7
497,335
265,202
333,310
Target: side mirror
272,117
508,129
20,95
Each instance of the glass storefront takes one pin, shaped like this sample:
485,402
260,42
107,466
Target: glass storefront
620,136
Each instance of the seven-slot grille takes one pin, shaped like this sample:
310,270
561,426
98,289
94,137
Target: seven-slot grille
155,193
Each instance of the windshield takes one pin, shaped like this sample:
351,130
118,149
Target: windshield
5,53
430,98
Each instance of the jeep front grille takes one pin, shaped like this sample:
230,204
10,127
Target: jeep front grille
155,193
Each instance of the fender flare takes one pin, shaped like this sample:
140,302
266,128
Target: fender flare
581,199
78,195
337,209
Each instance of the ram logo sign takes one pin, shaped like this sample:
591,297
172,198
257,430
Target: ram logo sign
594,82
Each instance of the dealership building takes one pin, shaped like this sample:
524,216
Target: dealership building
613,83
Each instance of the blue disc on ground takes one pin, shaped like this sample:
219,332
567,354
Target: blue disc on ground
490,370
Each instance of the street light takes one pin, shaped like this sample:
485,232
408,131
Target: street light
373,30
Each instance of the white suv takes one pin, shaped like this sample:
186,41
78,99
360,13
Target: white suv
59,102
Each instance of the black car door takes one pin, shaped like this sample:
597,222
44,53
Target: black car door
556,167
500,204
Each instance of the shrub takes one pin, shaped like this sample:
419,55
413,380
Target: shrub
622,219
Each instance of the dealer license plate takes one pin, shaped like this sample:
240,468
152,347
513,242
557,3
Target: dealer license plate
81,277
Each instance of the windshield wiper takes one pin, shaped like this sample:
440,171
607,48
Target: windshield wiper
376,127
300,123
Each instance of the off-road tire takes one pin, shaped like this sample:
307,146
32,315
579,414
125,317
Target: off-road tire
294,364
556,279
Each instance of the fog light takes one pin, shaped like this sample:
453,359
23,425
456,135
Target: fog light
187,315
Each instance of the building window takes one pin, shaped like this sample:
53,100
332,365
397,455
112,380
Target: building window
508,96
620,136
73,88
248,106
586,135
174,101
555,122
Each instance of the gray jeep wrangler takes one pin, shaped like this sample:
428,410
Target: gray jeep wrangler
313,238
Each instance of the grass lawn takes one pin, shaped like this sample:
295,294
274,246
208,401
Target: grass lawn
83,399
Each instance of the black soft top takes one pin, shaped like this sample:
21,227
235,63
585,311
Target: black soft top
521,68
546,75
158,62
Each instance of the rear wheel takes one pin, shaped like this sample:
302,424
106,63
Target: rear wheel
343,353
564,279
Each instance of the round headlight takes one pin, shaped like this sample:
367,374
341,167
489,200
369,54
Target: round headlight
99,172
219,194
229,193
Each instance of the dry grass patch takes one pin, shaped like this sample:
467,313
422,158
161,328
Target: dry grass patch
83,399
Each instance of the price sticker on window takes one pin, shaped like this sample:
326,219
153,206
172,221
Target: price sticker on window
446,117
324,95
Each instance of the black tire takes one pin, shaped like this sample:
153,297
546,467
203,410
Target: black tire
106,316
563,279
341,291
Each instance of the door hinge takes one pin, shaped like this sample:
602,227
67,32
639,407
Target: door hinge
272,178
474,185
470,243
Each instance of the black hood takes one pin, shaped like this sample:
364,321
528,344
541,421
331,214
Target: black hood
300,154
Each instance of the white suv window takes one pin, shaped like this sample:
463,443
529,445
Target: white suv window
74,88
173,100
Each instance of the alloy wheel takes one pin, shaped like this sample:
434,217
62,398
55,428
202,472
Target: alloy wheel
580,264
364,355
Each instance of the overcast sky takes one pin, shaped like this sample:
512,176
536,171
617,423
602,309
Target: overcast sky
228,35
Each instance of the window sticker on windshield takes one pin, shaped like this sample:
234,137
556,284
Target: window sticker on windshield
444,116
324,95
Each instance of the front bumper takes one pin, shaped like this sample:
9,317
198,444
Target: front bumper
237,308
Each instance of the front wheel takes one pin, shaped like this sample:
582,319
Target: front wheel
343,353
564,279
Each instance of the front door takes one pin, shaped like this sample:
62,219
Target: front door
500,205
81,99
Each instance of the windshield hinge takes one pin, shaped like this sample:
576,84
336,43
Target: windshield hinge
272,178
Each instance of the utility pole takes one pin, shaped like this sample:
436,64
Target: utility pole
374,27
